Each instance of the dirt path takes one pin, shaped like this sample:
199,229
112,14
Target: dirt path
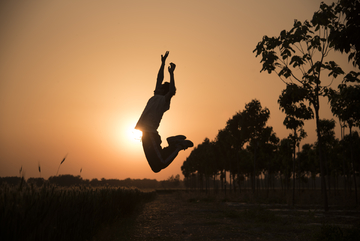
170,217
179,217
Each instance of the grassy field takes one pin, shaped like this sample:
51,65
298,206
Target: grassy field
55,213
197,215
107,213
264,215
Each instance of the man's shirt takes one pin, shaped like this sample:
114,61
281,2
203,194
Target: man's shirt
150,118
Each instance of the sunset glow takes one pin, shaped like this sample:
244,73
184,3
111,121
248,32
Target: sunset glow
75,77
129,137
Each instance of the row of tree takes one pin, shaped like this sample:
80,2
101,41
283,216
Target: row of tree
249,150
247,147
70,180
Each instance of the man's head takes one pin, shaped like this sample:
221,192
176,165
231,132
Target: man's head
164,89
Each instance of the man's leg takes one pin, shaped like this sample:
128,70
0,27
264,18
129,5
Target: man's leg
169,154
157,157
151,149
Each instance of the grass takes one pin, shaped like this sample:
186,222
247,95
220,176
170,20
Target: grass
85,213
54,213
335,233
312,197
271,216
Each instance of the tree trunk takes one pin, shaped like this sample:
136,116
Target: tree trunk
254,172
345,173
322,172
214,183
225,183
294,171
353,164
234,186
326,161
230,187
206,183
222,180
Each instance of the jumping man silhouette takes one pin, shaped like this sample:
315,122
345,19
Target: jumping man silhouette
158,157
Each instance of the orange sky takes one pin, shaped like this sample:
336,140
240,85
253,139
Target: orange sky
76,75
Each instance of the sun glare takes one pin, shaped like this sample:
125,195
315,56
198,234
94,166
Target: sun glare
129,137
135,134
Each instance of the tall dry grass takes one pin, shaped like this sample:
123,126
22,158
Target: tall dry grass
54,213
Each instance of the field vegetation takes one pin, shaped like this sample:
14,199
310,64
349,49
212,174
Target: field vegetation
178,214
84,212
50,212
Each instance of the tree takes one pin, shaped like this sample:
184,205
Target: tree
291,102
345,103
267,147
234,140
284,162
226,153
189,167
207,161
171,182
308,162
224,147
329,145
345,19
201,162
65,180
39,181
298,57
248,127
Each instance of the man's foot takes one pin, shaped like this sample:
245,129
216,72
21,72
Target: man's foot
173,140
185,144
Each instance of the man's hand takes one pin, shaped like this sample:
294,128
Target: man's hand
172,68
163,57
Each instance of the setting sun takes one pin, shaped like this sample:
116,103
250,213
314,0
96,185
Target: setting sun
134,134
127,137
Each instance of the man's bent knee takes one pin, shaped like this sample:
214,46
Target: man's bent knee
156,170
155,167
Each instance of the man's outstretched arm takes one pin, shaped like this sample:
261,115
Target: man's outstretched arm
172,88
160,76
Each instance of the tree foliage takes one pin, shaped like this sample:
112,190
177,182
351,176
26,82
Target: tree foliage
242,147
300,58
344,17
246,148
345,102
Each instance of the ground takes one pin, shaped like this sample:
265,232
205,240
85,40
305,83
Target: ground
187,216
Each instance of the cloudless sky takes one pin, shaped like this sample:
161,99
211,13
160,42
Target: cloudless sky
76,75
